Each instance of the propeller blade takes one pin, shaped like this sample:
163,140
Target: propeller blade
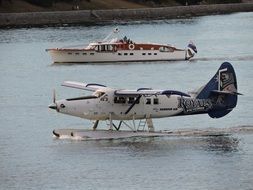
54,105
54,96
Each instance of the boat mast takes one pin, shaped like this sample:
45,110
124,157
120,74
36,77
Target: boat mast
115,31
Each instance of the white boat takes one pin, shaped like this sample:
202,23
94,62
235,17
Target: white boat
121,50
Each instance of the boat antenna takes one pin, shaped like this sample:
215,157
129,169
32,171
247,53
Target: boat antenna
115,31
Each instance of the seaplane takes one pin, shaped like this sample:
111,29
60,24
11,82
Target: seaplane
135,109
113,49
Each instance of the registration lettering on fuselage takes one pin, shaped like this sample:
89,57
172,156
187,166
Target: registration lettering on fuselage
190,105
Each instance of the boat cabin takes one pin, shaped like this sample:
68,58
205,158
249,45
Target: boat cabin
166,49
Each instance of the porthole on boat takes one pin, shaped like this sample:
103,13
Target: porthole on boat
131,46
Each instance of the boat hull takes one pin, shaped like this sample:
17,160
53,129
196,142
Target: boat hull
84,56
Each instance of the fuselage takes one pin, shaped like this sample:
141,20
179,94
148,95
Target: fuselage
217,98
127,108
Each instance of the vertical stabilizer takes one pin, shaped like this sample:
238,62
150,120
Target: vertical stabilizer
221,90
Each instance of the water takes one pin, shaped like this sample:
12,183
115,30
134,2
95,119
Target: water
30,158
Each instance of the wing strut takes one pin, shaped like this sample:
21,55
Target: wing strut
95,125
129,109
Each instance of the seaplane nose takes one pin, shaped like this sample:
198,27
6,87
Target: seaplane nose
53,106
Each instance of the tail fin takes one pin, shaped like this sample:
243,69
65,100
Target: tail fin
221,90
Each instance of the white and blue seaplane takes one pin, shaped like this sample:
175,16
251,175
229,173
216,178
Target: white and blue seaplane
136,108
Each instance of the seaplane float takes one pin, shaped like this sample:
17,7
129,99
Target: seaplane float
135,109
121,50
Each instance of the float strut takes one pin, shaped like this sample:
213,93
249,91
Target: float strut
117,128
150,125
111,123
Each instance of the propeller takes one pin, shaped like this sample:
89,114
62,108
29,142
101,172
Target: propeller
54,96
54,105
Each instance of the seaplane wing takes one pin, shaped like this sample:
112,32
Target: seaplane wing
84,86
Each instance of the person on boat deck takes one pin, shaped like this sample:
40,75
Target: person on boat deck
127,40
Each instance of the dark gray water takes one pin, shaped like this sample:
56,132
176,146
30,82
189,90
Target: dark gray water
30,158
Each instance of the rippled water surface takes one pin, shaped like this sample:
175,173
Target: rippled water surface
30,158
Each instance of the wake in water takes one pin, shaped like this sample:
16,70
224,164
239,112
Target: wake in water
227,58
84,134
212,131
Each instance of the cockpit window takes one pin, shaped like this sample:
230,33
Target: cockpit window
98,94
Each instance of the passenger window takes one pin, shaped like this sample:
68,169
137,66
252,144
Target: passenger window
125,53
122,100
131,100
148,101
119,100
149,53
143,53
156,101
